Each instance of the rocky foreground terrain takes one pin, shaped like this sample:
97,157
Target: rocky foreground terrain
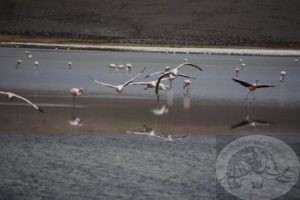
266,23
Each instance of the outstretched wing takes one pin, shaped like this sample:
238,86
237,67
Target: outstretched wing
101,83
243,83
263,122
240,124
189,64
264,85
5,93
139,83
29,102
184,75
135,77
149,75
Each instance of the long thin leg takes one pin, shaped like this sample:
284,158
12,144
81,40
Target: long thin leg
73,111
253,96
247,96
73,100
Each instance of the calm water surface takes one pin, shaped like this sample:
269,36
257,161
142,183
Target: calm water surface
44,157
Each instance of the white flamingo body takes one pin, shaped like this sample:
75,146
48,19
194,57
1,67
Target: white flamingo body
186,85
151,84
113,66
119,88
11,96
172,73
76,91
128,67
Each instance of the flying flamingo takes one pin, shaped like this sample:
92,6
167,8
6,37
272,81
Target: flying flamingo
11,96
252,86
119,88
174,72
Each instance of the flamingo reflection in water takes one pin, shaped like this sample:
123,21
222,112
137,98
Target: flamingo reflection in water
75,121
152,133
160,110
251,121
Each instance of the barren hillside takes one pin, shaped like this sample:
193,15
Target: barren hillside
178,22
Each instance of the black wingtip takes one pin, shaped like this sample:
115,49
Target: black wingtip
41,110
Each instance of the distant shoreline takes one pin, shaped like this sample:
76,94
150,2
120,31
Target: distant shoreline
186,50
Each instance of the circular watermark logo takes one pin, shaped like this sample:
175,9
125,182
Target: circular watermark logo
257,167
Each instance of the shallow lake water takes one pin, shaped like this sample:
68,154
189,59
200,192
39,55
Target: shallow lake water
110,154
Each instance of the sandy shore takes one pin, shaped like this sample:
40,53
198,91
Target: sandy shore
219,51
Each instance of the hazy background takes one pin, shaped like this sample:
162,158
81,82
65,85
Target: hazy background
179,22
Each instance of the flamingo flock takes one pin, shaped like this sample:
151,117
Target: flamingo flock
158,83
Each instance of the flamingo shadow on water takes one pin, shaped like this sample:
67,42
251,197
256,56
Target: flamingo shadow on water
250,120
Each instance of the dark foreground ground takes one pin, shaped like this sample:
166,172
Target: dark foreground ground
212,23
